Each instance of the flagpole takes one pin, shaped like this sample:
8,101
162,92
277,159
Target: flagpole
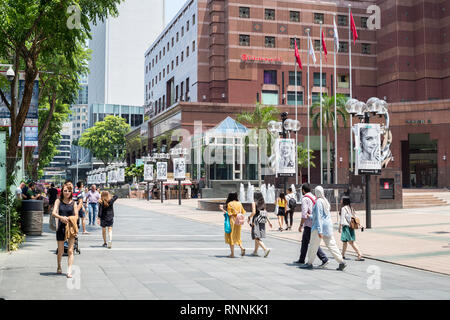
321,159
336,47
350,66
307,110
296,132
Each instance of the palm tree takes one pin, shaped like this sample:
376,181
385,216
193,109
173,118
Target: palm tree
302,158
328,120
258,119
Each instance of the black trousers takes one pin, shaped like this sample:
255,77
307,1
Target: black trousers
304,249
289,213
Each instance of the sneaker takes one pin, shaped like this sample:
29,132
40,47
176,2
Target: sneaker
109,244
306,266
323,265
105,245
266,253
341,266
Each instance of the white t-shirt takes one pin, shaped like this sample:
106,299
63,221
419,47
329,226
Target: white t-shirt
346,216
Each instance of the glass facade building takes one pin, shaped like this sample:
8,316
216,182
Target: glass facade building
133,115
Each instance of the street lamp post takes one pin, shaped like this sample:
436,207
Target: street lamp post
284,128
364,111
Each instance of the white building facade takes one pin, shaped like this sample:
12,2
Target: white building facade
171,62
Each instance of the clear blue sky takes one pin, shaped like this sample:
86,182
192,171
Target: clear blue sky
172,8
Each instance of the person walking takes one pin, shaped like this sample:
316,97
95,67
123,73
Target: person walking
66,211
257,220
78,198
322,229
92,198
291,202
308,202
347,233
52,194
281,204
106,216
236,211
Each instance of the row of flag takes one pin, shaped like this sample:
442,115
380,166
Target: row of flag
336,42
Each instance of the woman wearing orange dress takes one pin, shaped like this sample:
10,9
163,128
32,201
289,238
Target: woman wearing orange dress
234,207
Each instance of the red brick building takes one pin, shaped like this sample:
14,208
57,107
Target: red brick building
245,55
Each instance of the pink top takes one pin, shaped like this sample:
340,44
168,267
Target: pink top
307,206
93,197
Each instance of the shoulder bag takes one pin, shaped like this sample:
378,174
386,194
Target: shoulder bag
355,224
227,225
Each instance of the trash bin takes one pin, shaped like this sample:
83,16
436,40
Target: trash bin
31,216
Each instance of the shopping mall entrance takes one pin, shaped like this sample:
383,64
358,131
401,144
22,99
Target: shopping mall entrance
419,161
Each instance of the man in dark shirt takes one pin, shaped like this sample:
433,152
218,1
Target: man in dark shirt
30,192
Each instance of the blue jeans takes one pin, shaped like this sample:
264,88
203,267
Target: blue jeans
93,208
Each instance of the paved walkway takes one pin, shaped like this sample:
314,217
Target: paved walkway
419,237
171,252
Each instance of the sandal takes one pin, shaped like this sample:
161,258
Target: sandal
59,271
230,256
360,259
69,275
243,252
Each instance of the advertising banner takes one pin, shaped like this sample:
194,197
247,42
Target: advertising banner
148,172
161,171
31,137
285,157
179,165
367,148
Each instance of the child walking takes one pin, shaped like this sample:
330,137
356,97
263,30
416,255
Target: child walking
106,216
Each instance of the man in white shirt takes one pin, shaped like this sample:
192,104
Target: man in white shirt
19,190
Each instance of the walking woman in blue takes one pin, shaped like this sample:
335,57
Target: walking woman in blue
322,229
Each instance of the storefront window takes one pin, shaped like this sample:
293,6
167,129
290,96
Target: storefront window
291,98
270,97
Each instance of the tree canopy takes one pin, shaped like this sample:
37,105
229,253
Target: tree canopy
106,139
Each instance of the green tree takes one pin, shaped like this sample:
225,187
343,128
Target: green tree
106,139
302,158
30,31
328,117
258,120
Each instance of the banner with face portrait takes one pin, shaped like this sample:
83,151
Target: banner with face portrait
161,170
121,175
148,172
367,148
285,157
103,178
179,167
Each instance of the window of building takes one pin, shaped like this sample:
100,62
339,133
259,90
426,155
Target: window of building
343,81
164,101
168,46
187,89
187,26
343,46
181,90
160,76
315,97
182,31
146,69
365,48
193,46
153,83
172,41
317,79
153,62
182,56
342,20
244,12
176,93
177,36
269,14
244,40
291,98
193,19
156,60
294,16
164,73
187,51
292,43
269,97
270,77
292,78
177,61
318,17
270,42
172,65
160,55
317,45
364,22
167,69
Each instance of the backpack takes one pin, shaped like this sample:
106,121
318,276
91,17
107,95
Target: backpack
240,219
292,204
262,217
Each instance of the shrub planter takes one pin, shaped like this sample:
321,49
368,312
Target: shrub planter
31,216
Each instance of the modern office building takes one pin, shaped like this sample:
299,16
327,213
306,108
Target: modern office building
57,170
226,55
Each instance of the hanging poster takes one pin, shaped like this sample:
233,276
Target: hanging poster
285,157
367,148
161,171
179,165
148,172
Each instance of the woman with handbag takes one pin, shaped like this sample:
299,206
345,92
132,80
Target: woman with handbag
64,208
281,205
347,213
258,220
236,213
